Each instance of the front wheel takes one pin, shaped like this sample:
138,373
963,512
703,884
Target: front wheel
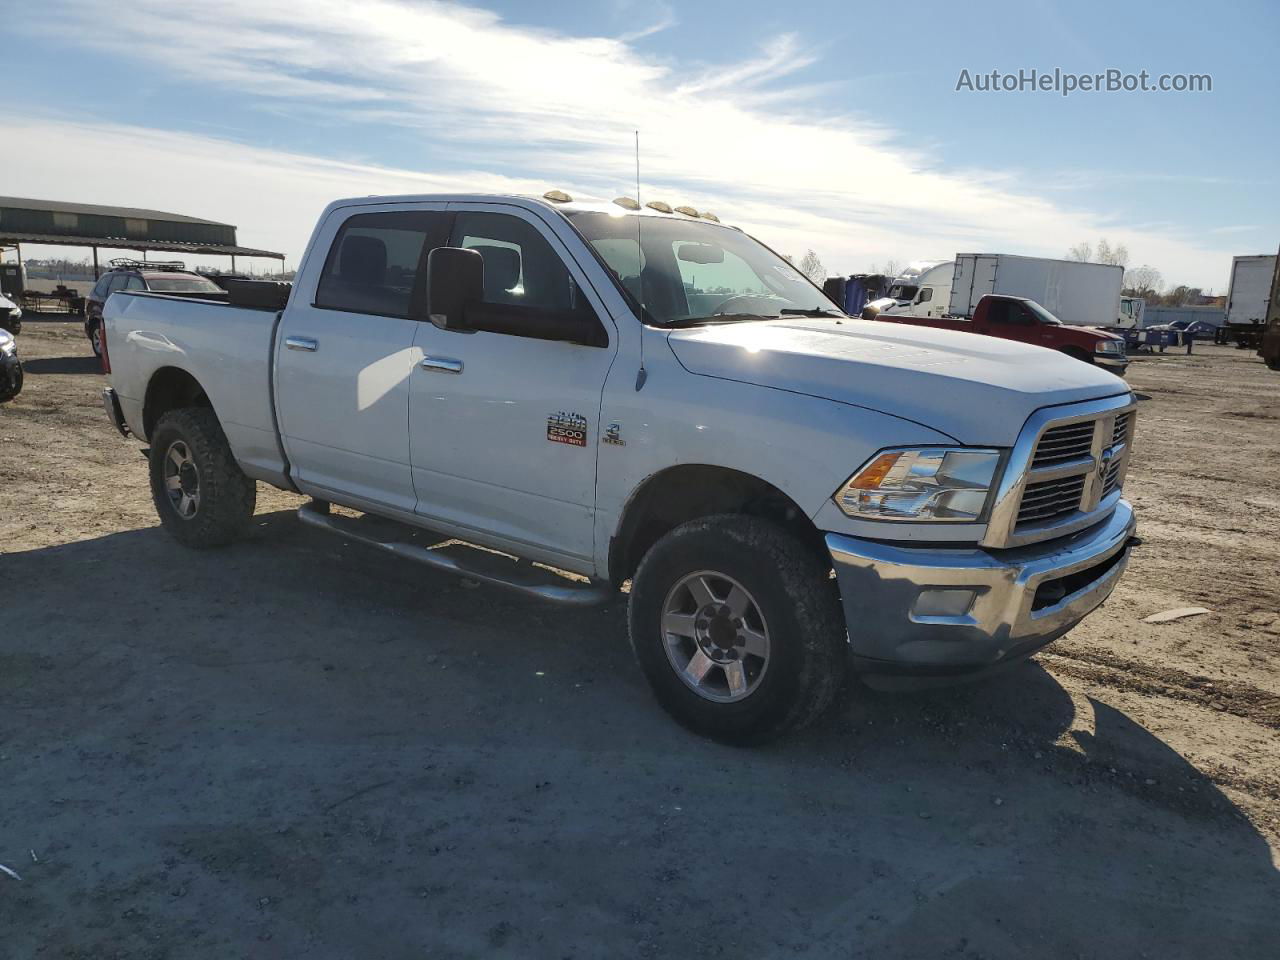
95,338
738,629
202,496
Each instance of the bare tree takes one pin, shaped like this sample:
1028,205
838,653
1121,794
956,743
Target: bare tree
1143,281
812,267
1183,296
890,269
1116,256
1103,253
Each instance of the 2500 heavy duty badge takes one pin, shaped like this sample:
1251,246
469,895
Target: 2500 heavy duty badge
570,428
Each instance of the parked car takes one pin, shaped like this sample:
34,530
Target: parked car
10,367
710,429
172,279
10,315
1017,318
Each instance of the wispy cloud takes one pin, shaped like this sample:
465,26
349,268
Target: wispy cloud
555,109
665,20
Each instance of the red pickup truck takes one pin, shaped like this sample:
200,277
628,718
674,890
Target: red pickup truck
1016,318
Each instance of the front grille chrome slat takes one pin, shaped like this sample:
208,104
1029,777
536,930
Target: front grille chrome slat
1050,500
1071,441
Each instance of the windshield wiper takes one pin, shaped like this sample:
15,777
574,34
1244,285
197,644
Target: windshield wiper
814,312
714,319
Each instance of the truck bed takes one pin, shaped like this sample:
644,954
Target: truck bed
227,348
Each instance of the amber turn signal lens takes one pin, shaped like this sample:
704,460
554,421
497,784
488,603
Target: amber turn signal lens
874,473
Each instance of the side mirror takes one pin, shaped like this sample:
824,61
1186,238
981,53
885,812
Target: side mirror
455,278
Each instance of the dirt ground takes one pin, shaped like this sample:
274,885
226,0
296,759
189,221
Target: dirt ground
297,747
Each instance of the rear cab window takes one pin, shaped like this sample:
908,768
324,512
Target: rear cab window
180,283
375,263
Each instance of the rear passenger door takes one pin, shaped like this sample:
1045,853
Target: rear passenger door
345,354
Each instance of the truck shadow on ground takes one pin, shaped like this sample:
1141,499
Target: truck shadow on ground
301,742
45,365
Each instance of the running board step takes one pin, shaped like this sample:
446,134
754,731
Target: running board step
452,556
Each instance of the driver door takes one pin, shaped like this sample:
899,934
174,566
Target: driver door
504,429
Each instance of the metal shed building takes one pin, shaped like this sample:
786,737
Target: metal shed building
127,228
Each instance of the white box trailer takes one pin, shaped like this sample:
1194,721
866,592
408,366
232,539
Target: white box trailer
1250,289
1081,294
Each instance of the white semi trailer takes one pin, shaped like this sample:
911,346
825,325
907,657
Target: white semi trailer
1081,294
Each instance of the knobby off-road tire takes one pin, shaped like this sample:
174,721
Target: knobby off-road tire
738,587
201,495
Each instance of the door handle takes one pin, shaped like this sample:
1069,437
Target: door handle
441,365
301,343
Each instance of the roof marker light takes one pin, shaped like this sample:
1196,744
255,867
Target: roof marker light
627,203
708,215
687,211
659,206
557,196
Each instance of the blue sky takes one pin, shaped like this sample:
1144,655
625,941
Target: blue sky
831,125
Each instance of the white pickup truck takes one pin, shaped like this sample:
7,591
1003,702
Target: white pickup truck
598,394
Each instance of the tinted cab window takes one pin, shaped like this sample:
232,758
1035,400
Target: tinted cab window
375,263
1006,312
520,267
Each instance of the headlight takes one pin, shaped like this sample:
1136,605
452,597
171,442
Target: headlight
1109,346
928,484
8,346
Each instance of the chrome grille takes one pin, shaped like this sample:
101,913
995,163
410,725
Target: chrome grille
1067,468
1051,499
1122,428
1062,444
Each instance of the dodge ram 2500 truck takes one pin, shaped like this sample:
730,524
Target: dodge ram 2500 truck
1017,318
602,394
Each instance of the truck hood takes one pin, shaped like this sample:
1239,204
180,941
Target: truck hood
1093,331
977,389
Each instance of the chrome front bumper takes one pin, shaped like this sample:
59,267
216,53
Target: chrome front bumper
934,610
1112,363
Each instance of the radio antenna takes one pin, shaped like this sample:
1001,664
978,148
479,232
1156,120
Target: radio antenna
641,374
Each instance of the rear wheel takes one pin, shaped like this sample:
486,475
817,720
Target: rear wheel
201,495
738,628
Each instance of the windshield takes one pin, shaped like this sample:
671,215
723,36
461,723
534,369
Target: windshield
686,272
177,284
1041,314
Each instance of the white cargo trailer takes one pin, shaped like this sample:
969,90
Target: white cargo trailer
1250,289
1082,294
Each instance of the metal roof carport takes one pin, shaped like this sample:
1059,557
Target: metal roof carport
123,228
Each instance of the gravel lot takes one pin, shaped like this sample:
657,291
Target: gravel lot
299,748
